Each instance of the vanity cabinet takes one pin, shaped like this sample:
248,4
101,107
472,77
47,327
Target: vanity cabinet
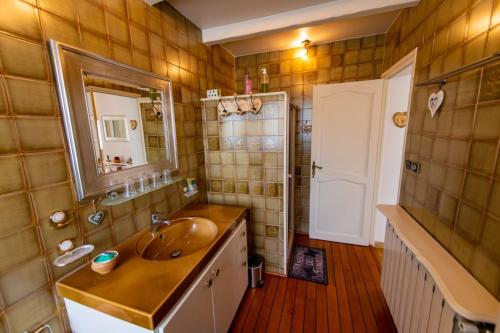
213,299
208,305
194,312
231,280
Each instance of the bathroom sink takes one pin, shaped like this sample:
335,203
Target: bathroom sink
183,237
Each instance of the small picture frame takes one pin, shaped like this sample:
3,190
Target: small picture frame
115,128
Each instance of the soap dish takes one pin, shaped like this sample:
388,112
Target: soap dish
105,262
73,255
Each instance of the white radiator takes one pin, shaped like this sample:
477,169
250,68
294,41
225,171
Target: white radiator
415,302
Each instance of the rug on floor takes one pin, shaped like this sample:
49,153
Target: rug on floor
308,263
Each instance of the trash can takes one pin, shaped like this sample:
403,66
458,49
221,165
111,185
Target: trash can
256,271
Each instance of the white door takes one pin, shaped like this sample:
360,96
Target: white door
346,121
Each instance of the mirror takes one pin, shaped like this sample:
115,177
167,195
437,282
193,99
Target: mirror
127,124
119,120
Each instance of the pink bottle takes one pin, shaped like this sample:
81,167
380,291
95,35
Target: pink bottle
248,84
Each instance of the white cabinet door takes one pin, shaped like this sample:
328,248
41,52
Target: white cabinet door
194,312
230,280
241,264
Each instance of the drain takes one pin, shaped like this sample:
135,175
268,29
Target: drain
176,253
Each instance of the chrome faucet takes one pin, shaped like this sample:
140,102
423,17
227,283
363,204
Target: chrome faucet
157,222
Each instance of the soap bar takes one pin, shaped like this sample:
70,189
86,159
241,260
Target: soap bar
105,256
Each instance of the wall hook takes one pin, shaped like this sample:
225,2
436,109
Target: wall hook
306,127
223,112
253,105
237,105
442,83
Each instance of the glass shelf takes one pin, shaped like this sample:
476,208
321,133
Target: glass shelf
190,193
122,199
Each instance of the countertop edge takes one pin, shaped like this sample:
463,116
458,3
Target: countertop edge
474,302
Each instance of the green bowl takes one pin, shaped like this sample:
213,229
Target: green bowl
105,257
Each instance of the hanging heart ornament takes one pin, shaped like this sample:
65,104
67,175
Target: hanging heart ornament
435,101
96,218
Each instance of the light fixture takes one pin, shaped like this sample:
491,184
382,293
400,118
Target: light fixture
304,53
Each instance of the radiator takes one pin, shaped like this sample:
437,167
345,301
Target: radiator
415,302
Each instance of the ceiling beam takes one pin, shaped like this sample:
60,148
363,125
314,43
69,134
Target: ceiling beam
294,18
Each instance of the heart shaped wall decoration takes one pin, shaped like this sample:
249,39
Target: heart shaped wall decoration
435,101
96,218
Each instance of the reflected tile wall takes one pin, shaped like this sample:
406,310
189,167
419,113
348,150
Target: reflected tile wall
244,161
342,61
456,195
34,168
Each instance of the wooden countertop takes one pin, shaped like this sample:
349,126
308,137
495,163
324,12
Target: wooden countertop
465,295
141,291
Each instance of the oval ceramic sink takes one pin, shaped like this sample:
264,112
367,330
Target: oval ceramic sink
183,237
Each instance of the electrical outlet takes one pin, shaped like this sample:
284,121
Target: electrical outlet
412,166
213,93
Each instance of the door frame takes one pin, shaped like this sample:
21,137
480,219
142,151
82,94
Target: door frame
408,60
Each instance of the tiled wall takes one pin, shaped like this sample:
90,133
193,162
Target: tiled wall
342,61
34,170
244,160
456,195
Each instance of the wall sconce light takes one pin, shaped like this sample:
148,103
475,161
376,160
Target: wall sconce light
304,53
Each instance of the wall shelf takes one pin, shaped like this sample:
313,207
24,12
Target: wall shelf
122,199
190,193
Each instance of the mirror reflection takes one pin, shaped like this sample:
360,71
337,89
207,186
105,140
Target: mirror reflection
127,124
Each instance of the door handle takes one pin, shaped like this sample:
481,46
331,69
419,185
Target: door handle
314,167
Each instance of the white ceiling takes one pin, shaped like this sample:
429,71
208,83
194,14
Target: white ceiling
322,33
213,13
252,26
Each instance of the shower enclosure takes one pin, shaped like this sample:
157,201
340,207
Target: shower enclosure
249,163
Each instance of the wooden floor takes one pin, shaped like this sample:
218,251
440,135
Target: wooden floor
351,302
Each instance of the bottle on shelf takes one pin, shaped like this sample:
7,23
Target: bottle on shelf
264,81
248,84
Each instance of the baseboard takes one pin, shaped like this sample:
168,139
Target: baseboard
275,274
379,245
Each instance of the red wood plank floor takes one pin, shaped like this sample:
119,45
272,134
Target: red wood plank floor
352,302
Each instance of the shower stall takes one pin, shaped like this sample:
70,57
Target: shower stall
249,156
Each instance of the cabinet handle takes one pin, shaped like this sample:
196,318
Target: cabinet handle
244,263
208,283
243,234
216,272
244,249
